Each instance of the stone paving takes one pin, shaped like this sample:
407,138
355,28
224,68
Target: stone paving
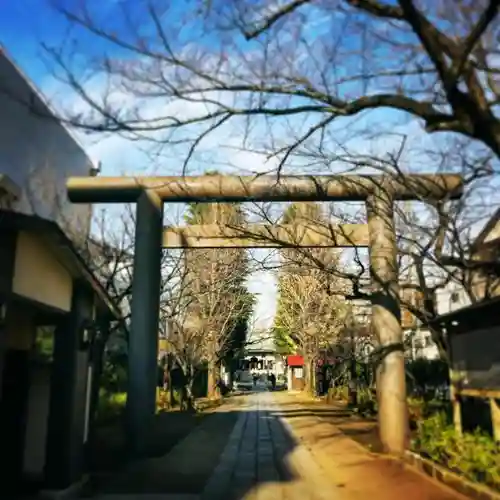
265,458
263,461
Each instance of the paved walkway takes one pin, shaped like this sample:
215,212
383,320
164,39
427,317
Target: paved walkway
263,461
275,453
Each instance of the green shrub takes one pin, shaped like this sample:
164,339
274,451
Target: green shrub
420,408
111,405
474,455
366,399
177,397
164,401
340,392
114,373
366,402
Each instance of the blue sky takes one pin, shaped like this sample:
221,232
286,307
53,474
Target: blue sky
25,23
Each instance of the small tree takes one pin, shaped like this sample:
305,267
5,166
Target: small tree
311,316
218,301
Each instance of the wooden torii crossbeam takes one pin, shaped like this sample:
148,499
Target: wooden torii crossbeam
267,236
230,188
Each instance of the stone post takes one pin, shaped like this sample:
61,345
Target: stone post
386,322
143,337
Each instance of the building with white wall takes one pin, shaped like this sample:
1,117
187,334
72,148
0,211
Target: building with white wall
51,304
451,298
260,356
419,345
38,153
262,362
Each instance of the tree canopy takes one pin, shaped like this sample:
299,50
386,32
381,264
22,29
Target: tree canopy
309,316
243,63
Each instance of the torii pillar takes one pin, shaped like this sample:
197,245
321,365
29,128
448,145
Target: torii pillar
386,324
144,324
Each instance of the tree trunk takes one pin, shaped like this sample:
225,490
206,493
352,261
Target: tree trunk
167,383
171,385
187,397
312,387
307,373
190,396
212,380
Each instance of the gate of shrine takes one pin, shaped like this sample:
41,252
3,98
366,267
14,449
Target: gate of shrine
378,192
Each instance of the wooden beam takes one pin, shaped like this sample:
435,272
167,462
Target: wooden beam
266,236
228,188
478,393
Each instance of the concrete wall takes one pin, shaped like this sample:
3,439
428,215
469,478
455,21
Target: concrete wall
38,153
420,345
451,298
38,275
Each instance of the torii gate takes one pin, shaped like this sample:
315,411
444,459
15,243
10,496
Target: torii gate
379,192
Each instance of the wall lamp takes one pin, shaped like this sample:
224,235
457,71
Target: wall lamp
87,331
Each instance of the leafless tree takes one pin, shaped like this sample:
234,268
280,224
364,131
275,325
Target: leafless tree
283,76
217,301
184,342
294,80
313,318
109,253
206,303
427,232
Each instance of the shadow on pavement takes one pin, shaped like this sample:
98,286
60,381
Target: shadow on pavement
109,454
226,456
320,412
363,430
